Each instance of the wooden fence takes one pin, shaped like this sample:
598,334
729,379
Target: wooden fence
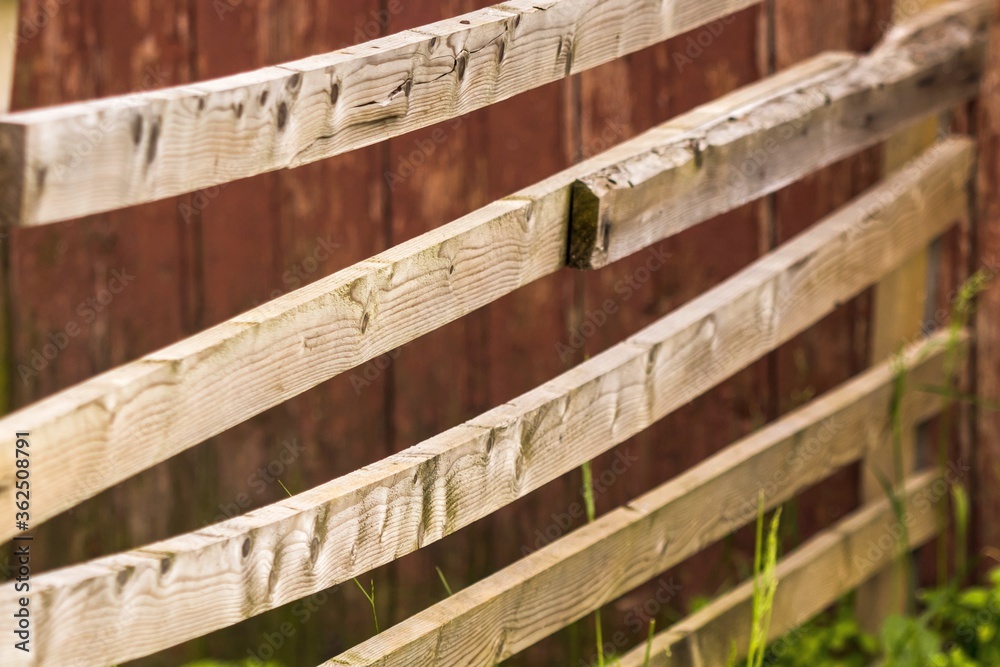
731,151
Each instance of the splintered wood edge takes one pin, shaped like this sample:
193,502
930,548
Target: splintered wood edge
345,527
79,159
90,417
649,535
124,421
828,107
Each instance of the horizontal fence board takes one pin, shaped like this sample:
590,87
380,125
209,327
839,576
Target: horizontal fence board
809,579
187,586
787,132
86,158
113,426
93,435
549,589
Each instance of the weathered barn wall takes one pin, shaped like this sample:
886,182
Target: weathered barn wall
198,259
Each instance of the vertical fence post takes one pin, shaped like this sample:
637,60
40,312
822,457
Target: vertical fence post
898,308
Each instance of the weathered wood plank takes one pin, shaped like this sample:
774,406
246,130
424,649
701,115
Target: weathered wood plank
113,426
809,579
435,175
781,135
835,349
899,302
510,610
154,145
634,94
351,525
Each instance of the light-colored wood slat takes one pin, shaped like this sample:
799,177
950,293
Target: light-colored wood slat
549,589
111,427
8,50
8,53
85,158
898,305
119,423
924,67
810,579
192,584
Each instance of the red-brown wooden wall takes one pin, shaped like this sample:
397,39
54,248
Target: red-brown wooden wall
205,257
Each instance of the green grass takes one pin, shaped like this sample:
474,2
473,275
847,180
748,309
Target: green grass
591,505
444,582
765,585
649,643
368,596
371,600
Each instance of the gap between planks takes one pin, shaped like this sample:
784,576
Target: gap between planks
810,579
189,585
79,159
94,435
791,130
505,613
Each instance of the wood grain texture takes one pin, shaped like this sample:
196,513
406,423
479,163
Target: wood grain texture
258,239
348,526
168,142
835,349
526,139
167,402
639,92
810,579
434,175
60,274
773,133
506,612
131,418
121,422
117,424
899,303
